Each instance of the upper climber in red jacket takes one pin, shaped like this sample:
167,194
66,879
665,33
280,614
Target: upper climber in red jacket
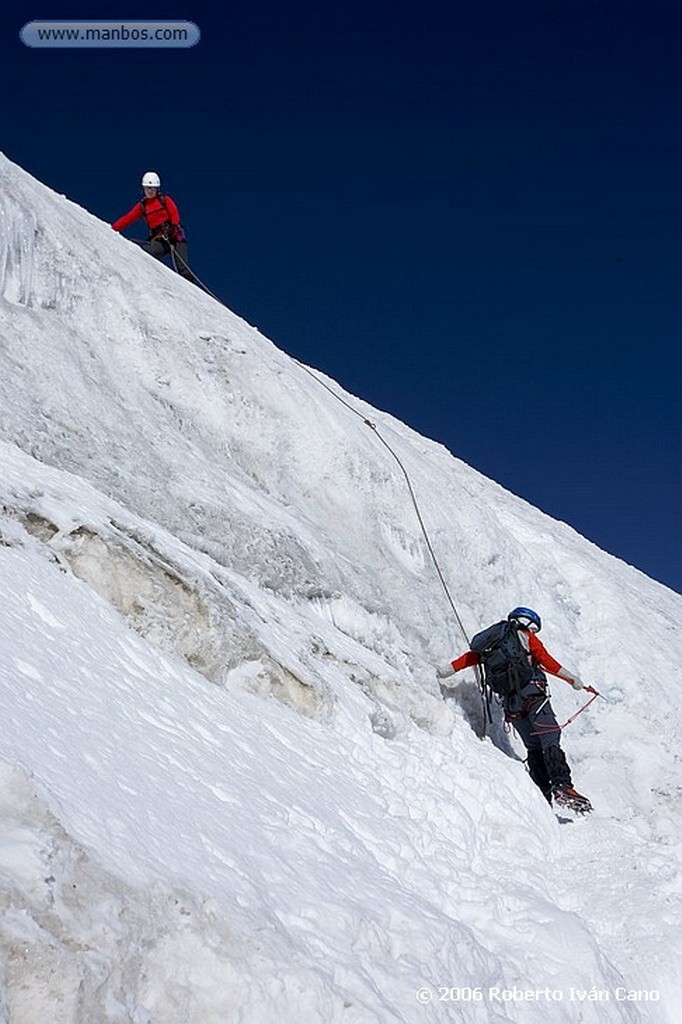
163,221
160,212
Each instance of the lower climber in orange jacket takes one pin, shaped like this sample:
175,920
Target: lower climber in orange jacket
512,653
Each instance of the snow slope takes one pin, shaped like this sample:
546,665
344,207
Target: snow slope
232,790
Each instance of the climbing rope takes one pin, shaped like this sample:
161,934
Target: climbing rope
485,696
413,497
541,728
487,717
175,256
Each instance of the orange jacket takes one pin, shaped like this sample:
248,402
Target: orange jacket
157,211
538,653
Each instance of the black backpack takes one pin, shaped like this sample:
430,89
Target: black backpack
507,664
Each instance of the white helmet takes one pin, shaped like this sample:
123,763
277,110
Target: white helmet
151,180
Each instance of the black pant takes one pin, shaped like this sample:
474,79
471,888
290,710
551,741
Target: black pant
533,719
159,248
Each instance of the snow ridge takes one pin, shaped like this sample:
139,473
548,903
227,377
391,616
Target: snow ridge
233,792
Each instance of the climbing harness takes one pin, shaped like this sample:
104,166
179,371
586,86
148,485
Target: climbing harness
543,704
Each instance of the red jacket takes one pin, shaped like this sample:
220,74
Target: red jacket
156,214
537,651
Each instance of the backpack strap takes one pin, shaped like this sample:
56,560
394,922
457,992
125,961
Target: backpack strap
165,227
160,196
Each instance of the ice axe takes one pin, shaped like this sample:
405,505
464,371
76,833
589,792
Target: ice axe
541,728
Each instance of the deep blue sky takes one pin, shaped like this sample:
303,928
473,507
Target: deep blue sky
467,213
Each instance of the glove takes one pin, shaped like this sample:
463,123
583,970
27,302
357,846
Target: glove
577,684
445,671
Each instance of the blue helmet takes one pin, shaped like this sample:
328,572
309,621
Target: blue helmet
526,618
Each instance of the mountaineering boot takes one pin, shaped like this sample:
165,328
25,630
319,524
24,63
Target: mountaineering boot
561,784
567,796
